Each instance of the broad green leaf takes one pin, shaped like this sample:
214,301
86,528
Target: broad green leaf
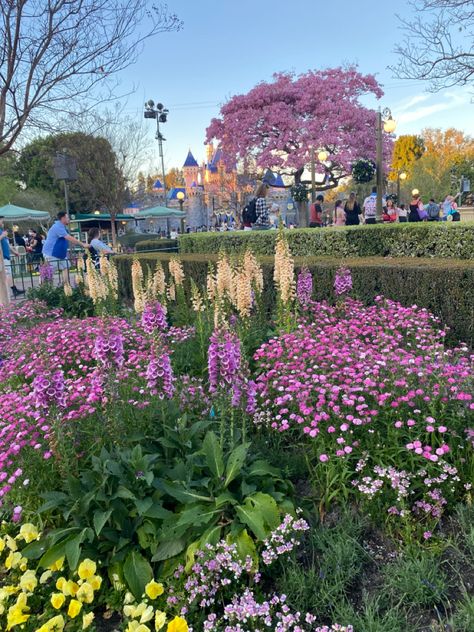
157,511
168,549
197,515
137,573
225,498
100,518
267,507
34,550
143,505
235,463
253,518
262,468
73,550
213,453
190,558
54,553
211,536
182,494
246,548
123,492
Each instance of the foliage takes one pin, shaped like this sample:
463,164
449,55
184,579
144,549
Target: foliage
77,305
99,181
441,285
406,151
51,72
168,245
363,171
278,122
299,192
444,240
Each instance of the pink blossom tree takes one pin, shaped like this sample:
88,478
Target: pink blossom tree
276,124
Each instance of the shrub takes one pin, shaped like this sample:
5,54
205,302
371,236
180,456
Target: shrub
443,287
167,245
440,239
130,240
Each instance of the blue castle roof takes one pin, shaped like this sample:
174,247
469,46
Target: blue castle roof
157,185
173,194
190,160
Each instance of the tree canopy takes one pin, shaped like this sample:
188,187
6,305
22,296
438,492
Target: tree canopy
99,184
439,43
276,124
406,151
54,56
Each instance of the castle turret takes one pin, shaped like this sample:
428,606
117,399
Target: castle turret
190,170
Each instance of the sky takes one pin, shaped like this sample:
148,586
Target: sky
228,46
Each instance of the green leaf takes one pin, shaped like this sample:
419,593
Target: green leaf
34,550
157,511
190,558
235,463
198,515
262,468
252,518
169,549
143,505
246,548
100,518
123,492
54,553
73,550
182,494
211,536
213,453
268,508
137,573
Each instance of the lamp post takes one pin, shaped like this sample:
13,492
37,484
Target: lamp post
180,196
401,176
160,113
385,120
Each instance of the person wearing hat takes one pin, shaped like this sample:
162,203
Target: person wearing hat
7,251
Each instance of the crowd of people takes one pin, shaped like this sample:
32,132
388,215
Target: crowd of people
260,214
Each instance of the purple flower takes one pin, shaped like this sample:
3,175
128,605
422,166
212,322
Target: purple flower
304,288
159,375
46,273
154,318
48,389
109,350
343,281
225,364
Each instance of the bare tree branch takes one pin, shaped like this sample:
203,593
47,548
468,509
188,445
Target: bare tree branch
56,53
439,44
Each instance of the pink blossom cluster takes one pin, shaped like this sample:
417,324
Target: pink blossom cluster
153,318
193,396
159,374
48,389
283,539
225,364
246,612
342,281
304,287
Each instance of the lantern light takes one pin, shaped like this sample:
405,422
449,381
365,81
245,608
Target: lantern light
323,155
415,192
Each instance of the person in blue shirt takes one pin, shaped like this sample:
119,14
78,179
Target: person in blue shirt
7,251
56,245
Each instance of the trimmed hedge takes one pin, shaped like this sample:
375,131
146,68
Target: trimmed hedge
446,240
446,288
130,240
168,245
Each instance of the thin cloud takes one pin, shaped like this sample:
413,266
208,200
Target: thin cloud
419,98
425,111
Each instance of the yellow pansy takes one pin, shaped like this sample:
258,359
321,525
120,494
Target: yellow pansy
45,576
11,544
134,626
87,620
147,615
129,611
154,590
96,582
57,600
56,624
85,593
28,532
17,614
28,581
129,598
57,565
74,608
13,560
2,544
160,620
178,624
60,583
70,588
87,569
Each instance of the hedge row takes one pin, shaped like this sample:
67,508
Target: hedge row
428,239
169,245
446,288
130,240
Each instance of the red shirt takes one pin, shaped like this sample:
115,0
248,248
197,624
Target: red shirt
316,213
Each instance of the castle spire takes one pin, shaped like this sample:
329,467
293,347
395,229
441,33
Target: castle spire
190,160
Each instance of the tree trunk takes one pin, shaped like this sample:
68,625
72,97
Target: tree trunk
298,175
113,216
303,217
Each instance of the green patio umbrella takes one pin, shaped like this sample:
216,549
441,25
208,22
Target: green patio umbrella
13,213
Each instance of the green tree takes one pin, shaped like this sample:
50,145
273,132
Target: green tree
99,183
